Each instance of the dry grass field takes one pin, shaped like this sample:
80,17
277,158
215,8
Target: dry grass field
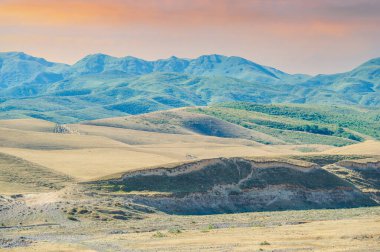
98,150
312,230
370,147
43,208
358,234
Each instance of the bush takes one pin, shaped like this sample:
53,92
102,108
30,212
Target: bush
175,231
83,211
264,243
211,226
158,234
72,218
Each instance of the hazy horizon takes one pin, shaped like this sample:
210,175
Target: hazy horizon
294,36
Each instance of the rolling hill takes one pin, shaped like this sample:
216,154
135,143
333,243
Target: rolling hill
101,86
84,150
266,124
19,175
156,175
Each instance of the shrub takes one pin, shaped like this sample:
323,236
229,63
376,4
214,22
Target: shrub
72,218
264,243
83,211
175,231
158,234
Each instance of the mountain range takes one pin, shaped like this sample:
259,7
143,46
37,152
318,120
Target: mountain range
99,85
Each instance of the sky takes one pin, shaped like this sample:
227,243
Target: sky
296,36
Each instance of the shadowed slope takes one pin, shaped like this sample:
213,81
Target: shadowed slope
238,185
182,122
18,175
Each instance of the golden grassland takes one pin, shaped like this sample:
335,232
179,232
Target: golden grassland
36,154
356,234
99,151
370,147
312,230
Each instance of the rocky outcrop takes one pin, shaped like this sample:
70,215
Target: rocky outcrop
225,185
64,129
231,200
368,163
363,173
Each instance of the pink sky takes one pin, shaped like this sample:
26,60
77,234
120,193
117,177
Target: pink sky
319,36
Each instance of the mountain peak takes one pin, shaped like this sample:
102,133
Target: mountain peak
97,56
26,57
92,63
372,62
211,58
14,54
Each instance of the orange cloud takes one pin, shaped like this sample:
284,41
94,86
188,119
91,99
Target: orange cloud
60,13
65,29
175,12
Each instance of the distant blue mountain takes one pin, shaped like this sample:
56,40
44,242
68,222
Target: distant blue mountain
100,85
24,75
359,86
207,65
17,68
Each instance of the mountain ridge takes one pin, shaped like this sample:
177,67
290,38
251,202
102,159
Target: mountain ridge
100,85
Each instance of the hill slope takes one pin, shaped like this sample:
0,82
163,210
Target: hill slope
266,124
238,185
18,175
